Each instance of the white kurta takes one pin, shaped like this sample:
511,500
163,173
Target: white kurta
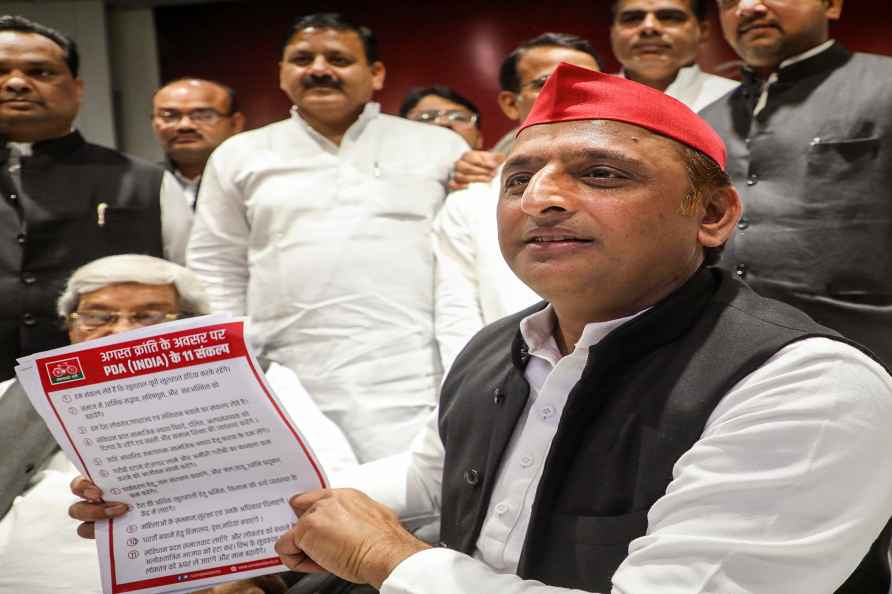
474,285
697,89
176,217
327,249
782,492
40,552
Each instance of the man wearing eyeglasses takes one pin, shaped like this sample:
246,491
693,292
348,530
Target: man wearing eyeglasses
104,297
63,200
809,136
442,106
191,117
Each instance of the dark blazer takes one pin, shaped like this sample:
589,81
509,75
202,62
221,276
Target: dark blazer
76,202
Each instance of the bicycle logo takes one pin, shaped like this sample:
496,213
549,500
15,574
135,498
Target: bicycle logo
66,370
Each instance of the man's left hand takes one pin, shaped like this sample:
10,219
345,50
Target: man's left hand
345,532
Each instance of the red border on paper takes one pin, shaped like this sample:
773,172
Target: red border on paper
92,364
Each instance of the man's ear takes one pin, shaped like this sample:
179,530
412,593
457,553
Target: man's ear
834,9
705,31
238,122
721,211
378,73
508,103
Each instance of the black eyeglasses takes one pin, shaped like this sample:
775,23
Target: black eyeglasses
203,115
536,84
453,116
92,319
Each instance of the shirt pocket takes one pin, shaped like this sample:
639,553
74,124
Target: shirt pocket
841,173
597,531
128,229
584,551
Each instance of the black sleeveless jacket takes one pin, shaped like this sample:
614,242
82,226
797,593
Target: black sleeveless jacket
656,380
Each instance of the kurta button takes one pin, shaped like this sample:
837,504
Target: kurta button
743,223
29,279
472,476
29,468
28,320
498,397
501,508
741,270
21,238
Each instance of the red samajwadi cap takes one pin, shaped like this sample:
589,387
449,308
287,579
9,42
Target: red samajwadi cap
575,93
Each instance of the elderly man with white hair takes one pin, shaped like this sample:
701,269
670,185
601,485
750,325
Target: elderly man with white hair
106,296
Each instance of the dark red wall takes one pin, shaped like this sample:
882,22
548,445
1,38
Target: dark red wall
422,42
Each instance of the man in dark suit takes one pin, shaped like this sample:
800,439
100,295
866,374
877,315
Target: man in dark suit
63,201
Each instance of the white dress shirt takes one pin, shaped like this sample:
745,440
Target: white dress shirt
696,88
772,78
176,218
327,249
474,285
40,552
762,503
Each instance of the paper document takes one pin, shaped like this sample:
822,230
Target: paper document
178,421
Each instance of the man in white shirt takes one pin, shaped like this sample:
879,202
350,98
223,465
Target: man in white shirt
190,118
657,42
318,228
657,427
474,286
104,297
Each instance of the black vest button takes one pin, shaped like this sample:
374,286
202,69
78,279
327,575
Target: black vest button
442,545
29,279
472,476
29,468
498,397
743,223
741,270
29,320
13,197
21,238
753,180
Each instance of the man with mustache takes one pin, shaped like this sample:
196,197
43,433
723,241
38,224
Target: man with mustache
318,228
657,41
655,427
809,136
63,200
190,118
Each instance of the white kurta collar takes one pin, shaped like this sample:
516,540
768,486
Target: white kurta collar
537,330
369,113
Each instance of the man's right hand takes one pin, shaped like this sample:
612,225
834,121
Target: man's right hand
473,167
92,507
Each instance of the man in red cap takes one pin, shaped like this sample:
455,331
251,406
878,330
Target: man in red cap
654,426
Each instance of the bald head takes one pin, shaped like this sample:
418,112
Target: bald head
191,117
